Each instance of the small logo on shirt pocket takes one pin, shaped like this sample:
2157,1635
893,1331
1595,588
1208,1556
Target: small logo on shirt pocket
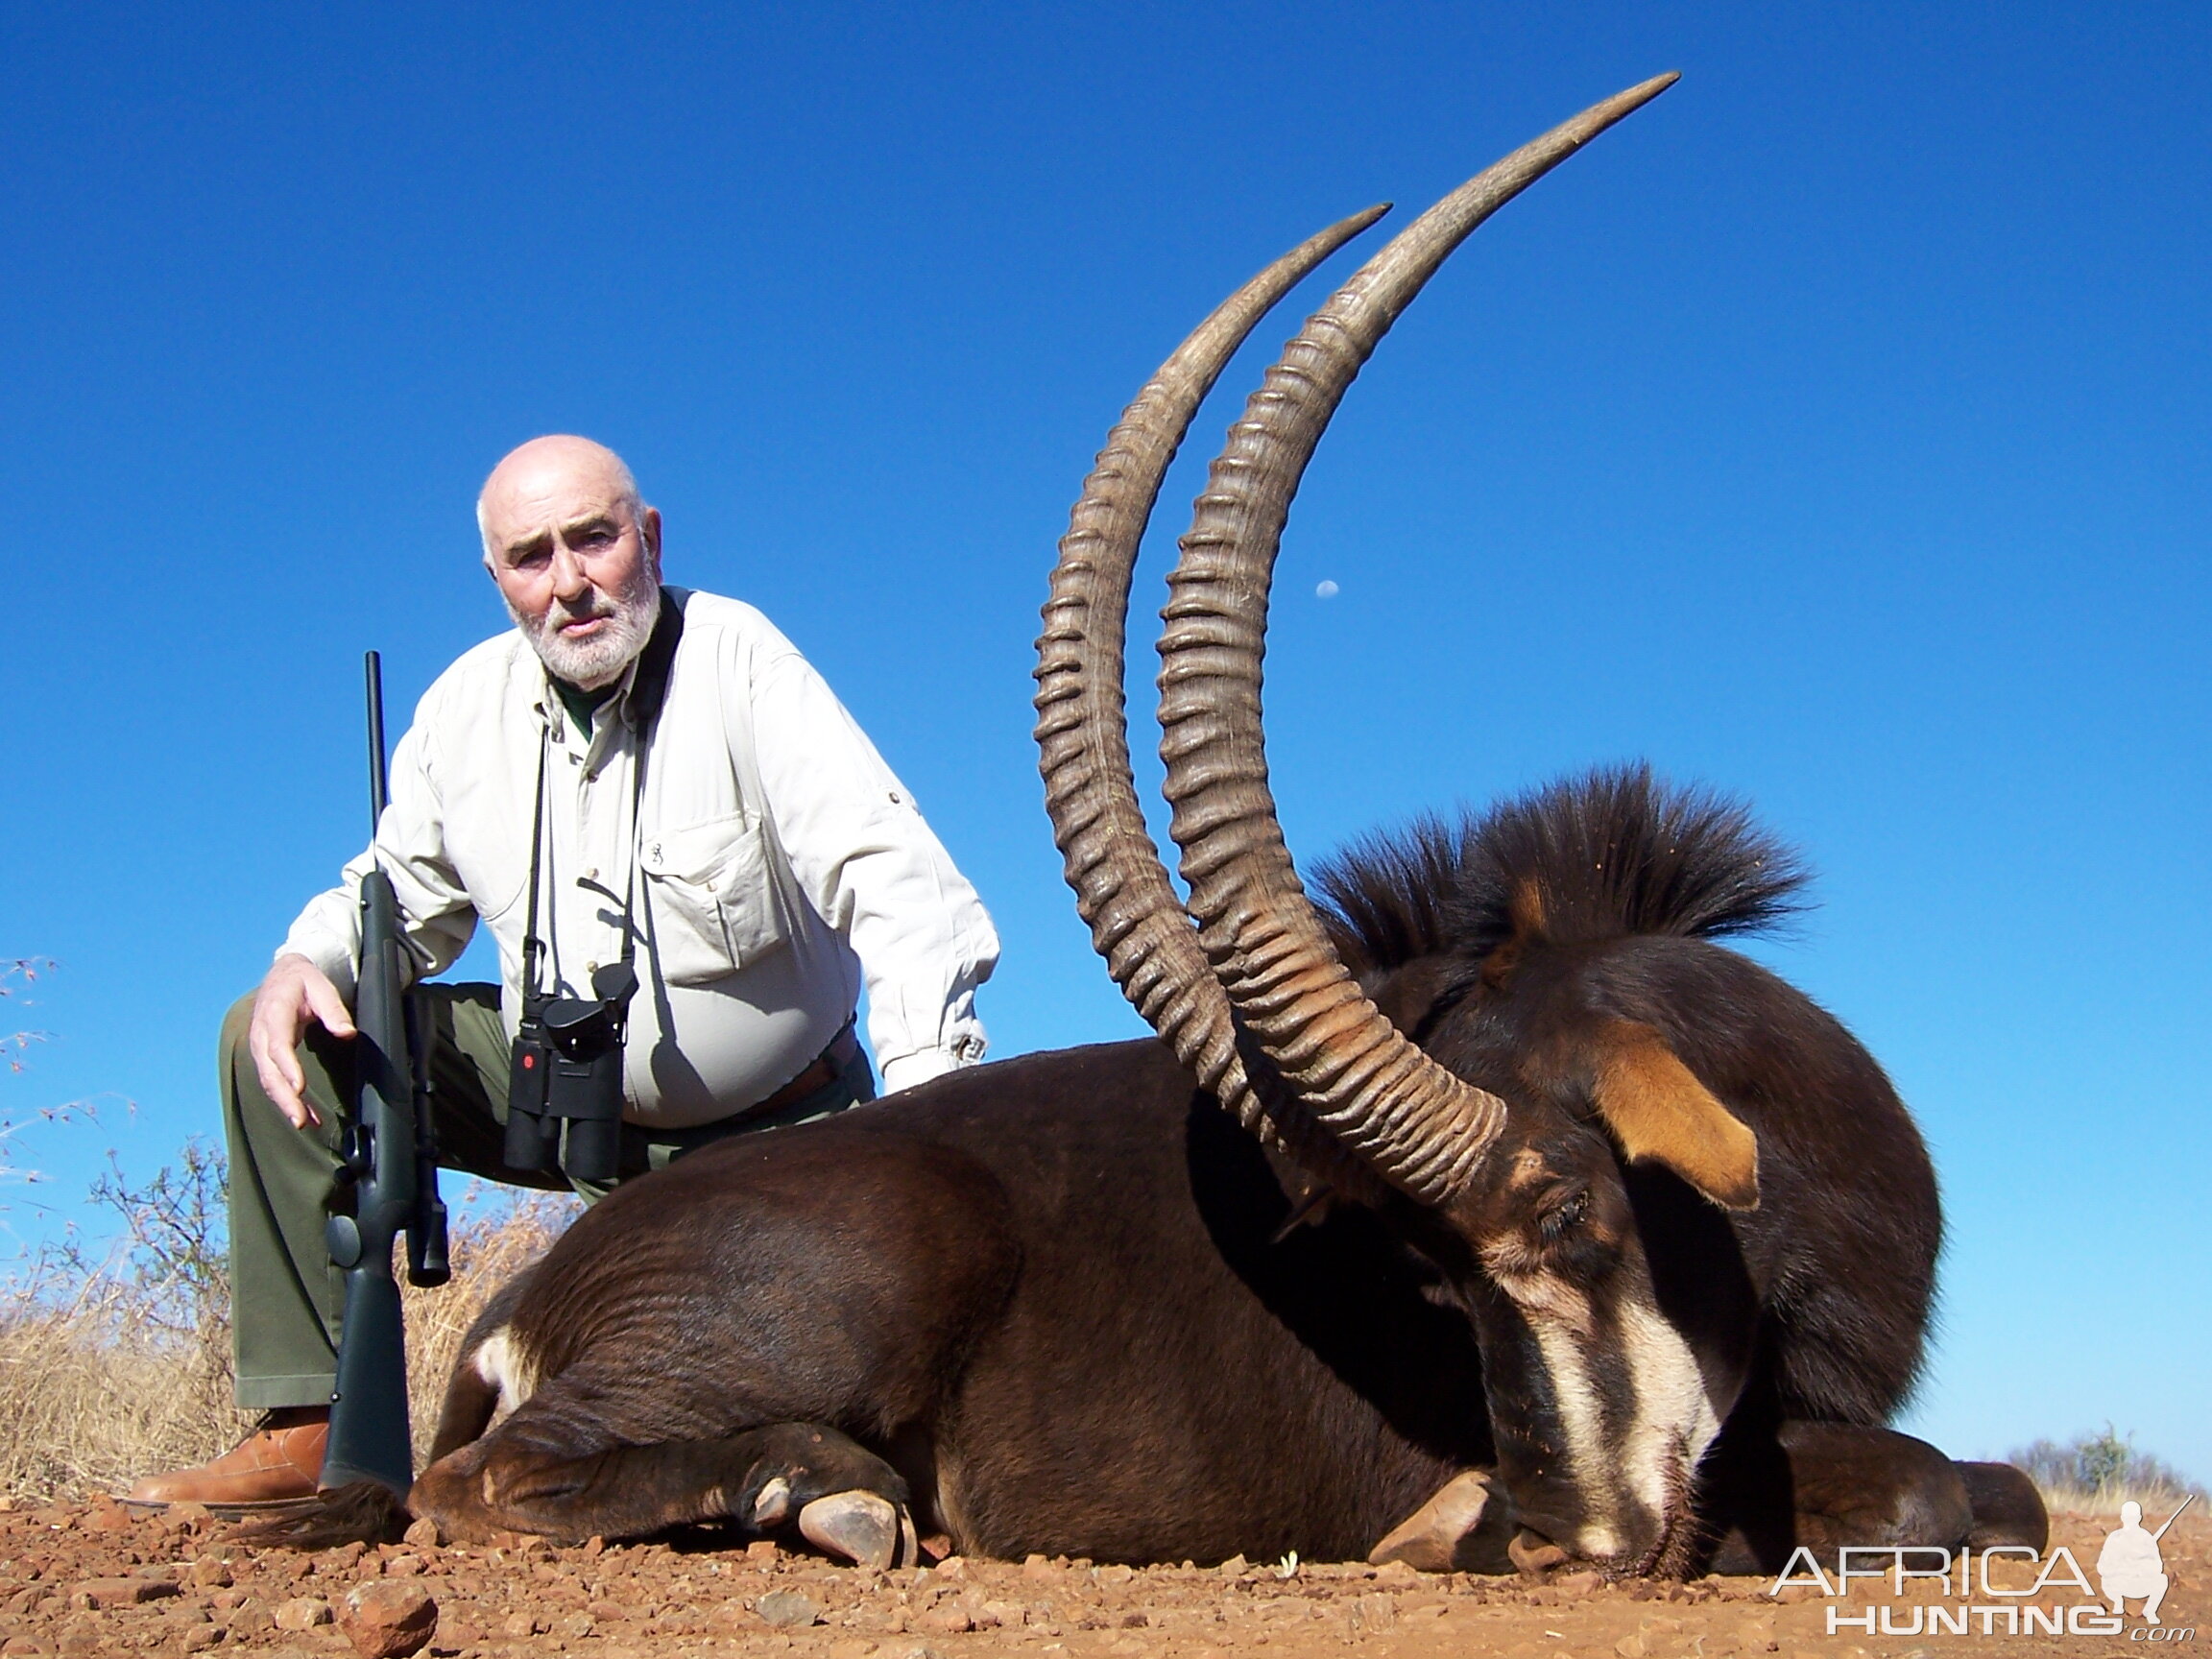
711,905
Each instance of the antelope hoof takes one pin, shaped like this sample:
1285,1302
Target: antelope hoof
864,1529
1464,1528
773,1504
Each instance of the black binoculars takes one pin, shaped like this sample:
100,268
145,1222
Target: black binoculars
567,1068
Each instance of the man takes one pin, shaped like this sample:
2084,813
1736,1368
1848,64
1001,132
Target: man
2130,1563
633,773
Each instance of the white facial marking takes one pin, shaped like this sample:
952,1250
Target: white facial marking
1674,1415
1548,1294
500,1362
1559,1315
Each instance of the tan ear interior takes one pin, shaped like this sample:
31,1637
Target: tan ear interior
1658,1110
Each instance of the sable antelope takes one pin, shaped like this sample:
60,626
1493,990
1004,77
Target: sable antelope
1500,1193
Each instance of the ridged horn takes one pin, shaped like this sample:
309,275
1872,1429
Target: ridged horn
1137,921
1420,1128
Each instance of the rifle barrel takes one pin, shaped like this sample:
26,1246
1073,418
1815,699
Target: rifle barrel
2175,1516
378,793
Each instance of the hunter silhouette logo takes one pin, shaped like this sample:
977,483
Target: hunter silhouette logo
2130,1564
1986,1592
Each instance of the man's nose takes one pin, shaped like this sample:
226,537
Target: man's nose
568,578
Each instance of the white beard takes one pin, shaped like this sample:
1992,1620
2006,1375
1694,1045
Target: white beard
599,660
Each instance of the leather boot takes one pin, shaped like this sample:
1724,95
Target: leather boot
279,1462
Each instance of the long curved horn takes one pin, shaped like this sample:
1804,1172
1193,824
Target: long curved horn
1420,1128
1137,921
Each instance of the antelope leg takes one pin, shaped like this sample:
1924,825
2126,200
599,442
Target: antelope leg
520,1478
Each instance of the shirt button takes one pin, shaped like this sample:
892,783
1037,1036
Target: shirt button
590,872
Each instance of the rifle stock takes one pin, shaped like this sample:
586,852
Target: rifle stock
388,1158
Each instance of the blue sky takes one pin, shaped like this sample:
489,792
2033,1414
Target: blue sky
1835,432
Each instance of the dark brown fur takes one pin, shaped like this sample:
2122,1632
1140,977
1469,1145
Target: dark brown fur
1606,892
1528,931
1054,1303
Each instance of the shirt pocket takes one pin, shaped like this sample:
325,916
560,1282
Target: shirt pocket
714,907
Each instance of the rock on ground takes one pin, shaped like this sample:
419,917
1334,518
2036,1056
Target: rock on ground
389,1619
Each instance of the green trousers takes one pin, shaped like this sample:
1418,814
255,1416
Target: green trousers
286,1297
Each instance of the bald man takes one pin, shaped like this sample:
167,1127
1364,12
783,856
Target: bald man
656,776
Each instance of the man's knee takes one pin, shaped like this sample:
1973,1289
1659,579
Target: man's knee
323,1069
235,1072
237,1023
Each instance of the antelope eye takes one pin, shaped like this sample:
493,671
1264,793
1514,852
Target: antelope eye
1563,1218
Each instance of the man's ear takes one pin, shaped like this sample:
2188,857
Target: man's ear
1657,1109
649,532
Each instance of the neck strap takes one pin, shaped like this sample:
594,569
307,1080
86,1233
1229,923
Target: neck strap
648,692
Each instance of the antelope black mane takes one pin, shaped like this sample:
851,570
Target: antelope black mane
1613,852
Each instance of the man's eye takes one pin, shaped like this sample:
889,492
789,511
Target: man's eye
1563,1219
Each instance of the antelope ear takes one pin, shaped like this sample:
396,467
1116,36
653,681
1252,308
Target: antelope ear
1409,995
1658,1110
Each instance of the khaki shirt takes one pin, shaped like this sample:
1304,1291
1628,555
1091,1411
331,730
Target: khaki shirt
778,865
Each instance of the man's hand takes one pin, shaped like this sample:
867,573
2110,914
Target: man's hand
295,993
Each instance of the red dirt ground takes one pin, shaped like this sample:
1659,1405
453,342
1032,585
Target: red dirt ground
95,1579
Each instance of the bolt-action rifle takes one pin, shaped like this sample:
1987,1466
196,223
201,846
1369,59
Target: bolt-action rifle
388,1158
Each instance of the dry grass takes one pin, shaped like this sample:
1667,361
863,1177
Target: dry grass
118,1367
2098,1503
488,1245
2103,1503
2092,1475
95,1394
114,1365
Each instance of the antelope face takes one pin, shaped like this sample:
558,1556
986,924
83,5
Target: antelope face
1601,1404
1607,1375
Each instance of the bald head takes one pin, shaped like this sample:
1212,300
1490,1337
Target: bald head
576,555
531,474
